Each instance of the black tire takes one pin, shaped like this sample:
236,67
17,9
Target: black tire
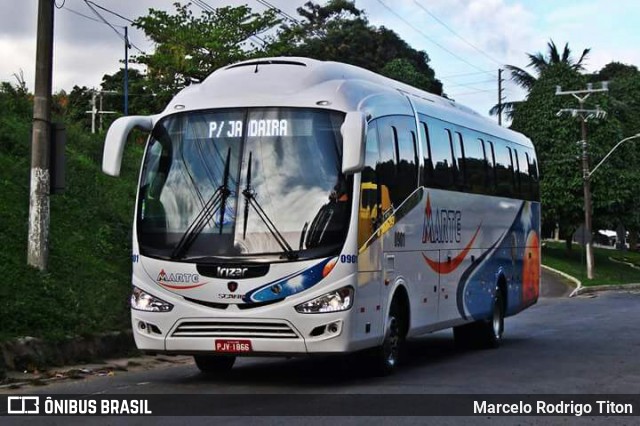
386,357
493,329
484,333
214,363
466,336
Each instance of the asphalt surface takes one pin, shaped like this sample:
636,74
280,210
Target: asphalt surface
581,345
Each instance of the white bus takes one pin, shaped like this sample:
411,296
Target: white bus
289,206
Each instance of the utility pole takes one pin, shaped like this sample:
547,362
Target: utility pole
95,112
38,244
585,115
500,97
126,71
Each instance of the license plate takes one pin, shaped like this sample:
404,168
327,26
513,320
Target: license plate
234,346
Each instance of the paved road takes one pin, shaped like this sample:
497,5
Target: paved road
561,345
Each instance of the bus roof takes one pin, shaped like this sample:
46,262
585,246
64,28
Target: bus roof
304,82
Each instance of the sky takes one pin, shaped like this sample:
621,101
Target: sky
467,40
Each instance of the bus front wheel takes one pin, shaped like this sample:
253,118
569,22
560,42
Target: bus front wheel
386,357
214,363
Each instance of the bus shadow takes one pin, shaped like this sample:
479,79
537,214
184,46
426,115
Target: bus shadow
424,354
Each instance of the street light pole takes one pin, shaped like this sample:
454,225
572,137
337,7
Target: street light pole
636,136
585,115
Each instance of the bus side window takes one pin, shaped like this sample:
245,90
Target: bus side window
407,159
535,177
443,163
512,174
504,171
459,155
525,178
516,174
475,164
427,166
370,199
491,169
386,168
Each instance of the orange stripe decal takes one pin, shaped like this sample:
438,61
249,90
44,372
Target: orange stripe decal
448,267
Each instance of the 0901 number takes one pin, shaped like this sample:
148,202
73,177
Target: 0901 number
348,258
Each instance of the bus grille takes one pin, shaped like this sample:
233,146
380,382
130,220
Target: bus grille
252,330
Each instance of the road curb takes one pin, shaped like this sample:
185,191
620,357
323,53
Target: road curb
571,278
580,289
31,353
599,288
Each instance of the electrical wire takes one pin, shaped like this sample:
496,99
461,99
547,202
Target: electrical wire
125,39
110,11
477,49
461,59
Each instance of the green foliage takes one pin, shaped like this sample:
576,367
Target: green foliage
88,280
190,47
555,140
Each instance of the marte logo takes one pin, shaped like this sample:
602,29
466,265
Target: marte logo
179,280
441,225
231,272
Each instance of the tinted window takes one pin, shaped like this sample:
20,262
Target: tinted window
398,137
443,164
427,167
475,164
504,171
370,197
459,155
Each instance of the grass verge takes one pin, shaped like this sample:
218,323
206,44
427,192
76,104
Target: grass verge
606,270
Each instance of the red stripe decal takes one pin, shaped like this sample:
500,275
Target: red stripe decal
177,287
448,267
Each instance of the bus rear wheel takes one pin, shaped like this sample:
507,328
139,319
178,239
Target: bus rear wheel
483,333
214,363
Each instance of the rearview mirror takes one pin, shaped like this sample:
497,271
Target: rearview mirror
117,136
354,132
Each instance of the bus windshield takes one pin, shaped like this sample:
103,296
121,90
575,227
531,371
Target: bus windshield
244,183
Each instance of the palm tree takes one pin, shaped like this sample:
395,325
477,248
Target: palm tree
540,63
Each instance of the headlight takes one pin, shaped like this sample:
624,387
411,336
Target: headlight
336,301
143,301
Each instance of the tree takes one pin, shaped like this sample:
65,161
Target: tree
189,47
623,106
339,31
540,63
142,101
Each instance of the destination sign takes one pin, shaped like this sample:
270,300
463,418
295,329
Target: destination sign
256,128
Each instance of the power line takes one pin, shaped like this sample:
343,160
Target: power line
110,11
124,38
427,37
466,74
456,34
472,83
75,12
278,11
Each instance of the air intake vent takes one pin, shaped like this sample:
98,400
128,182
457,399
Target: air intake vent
252,330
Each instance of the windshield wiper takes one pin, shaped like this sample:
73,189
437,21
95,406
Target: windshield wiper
250,200
216,202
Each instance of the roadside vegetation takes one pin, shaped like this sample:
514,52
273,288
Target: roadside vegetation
86,288
610,265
